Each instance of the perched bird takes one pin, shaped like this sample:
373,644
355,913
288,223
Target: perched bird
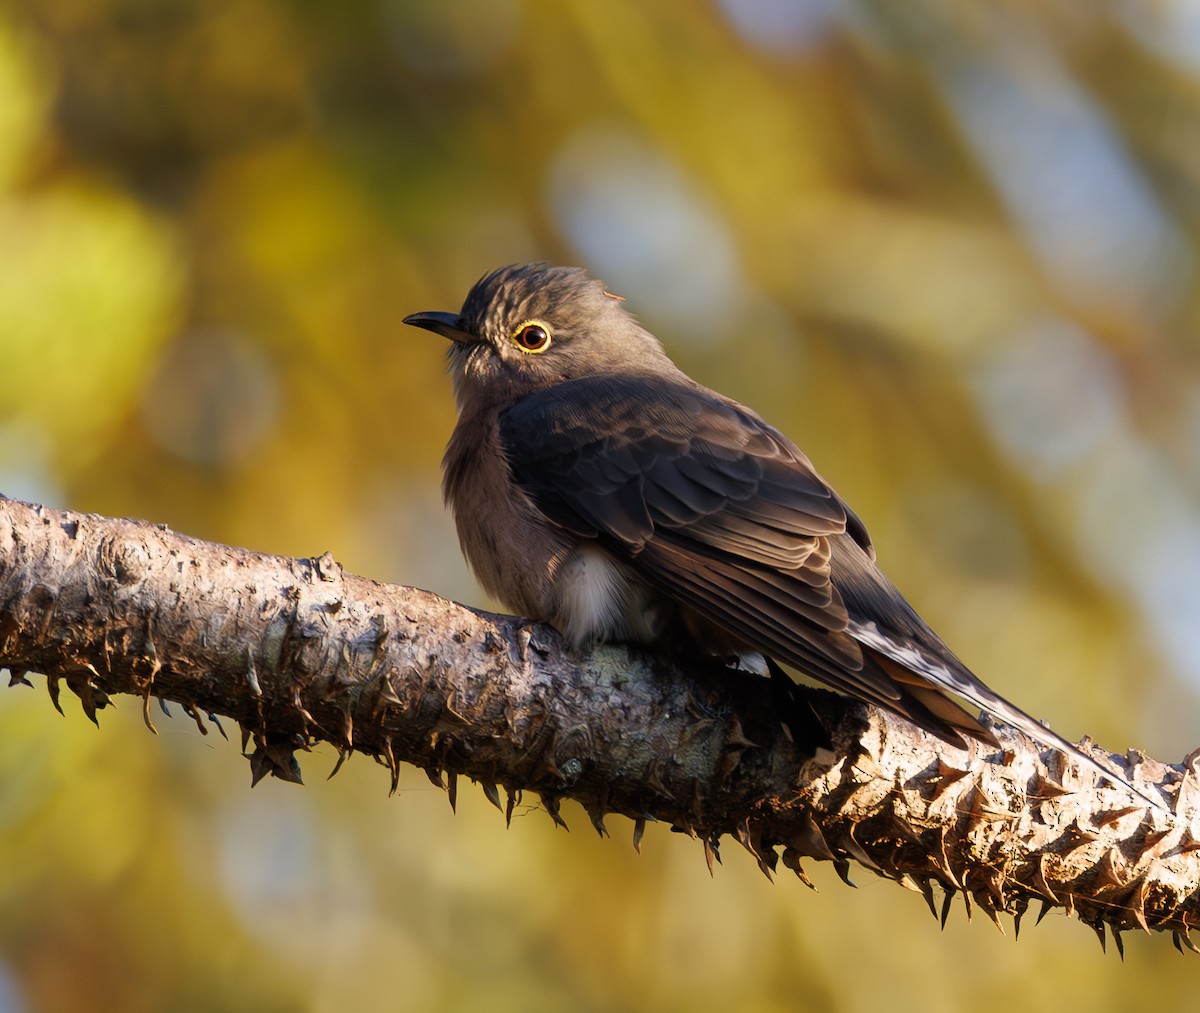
598,488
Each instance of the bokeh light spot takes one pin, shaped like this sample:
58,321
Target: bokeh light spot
214,398
1050,395
450,40
644,227
781,27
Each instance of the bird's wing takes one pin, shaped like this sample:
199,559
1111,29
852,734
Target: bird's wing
726,516
723,514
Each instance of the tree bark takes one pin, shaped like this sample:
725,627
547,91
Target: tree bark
297,652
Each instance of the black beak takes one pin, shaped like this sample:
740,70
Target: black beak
448,325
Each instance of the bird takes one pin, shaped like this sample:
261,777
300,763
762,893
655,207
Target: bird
598,488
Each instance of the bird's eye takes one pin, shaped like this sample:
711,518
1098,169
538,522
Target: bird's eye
532,336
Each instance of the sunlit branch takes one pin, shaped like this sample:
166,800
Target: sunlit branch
298,652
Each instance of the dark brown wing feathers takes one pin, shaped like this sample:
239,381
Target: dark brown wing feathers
723,514
727,517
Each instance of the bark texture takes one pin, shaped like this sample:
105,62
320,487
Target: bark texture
297,651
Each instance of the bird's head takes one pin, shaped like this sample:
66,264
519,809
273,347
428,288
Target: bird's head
527,326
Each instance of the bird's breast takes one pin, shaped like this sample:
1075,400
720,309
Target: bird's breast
509,546
528,563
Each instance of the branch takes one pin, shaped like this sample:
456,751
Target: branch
298,652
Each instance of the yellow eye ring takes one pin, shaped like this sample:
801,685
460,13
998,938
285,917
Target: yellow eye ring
532,337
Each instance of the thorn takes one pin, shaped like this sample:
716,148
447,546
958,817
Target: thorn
1078,836
102,699
1108,874
741,834
811,842
596,814
146,708
639,828
342,754
791,860
1152,838
16,677
393,765
276,759
252,675
452,790
217,724
1107,819
765,867
1116,934
552,807
946,901
258,768
1049,789
52,689
386,696
1137,904
926,888
1043,885
493,795
947,776
1185,934
751,840
709,855
192,713
509,804
991,911
842,868
435,777
855,851
155,668
89,700
1046,906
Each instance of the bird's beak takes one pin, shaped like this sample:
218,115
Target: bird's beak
448,325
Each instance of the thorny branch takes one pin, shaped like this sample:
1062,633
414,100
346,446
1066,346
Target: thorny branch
298,652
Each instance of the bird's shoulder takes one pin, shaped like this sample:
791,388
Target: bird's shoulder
628,454
645,413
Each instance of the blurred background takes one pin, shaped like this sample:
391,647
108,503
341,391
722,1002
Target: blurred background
952,251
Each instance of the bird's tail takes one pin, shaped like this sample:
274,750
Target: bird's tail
917,672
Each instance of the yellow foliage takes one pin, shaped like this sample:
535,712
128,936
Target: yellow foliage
950,248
